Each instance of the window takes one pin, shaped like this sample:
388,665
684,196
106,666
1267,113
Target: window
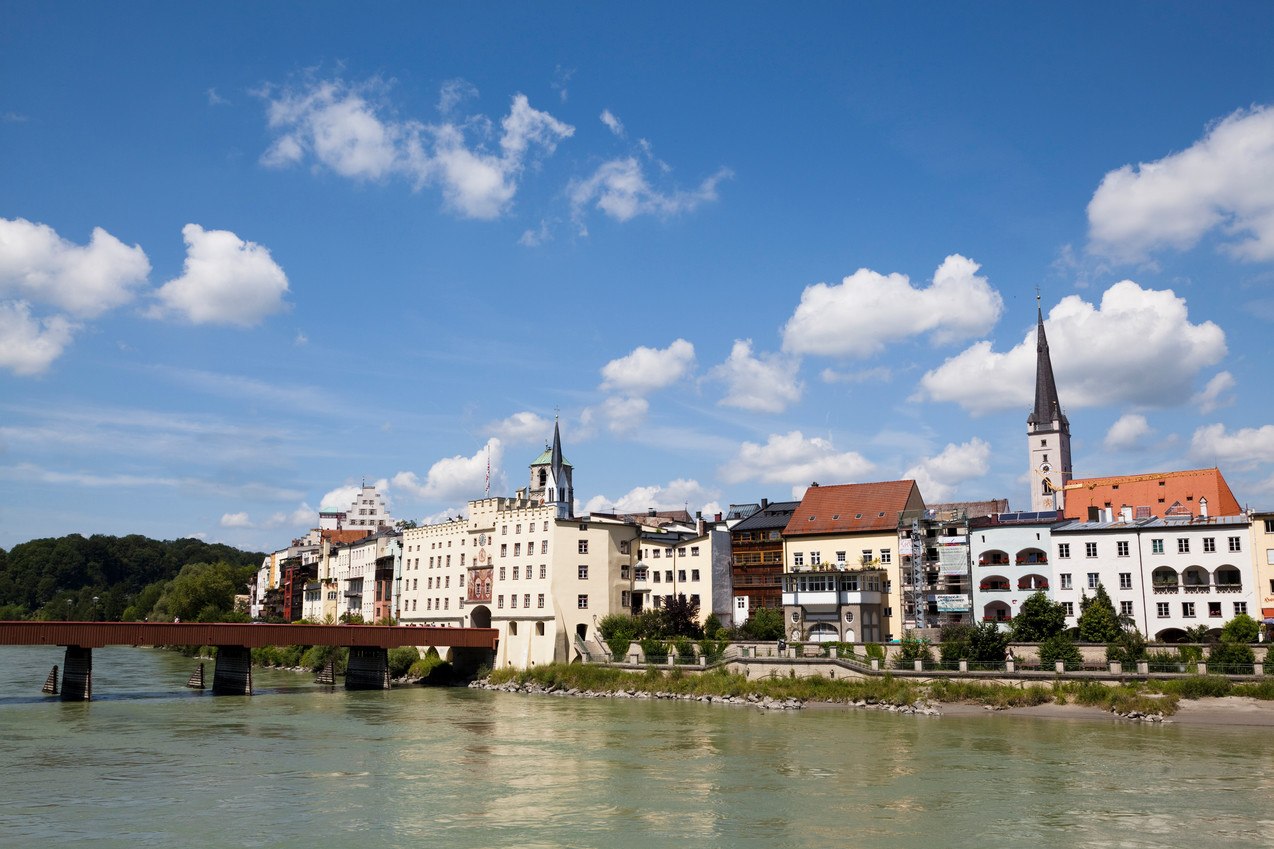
1063,549
513,600
504,552
1121,548
1183,545
668,576
583,546
539,600
517,549
681,552
694,574
1090,549
694,599
623,546
1156,546
526,600
1187,609
1069,607
499,601
1214,609
798,558
1125,608
694,551
1066,580
504,530
517,529
1161,609
1240,607
429,584
501,573
1092,580
656,576
515,573
544,570
654,553
886,556
1209,545
546,526
1269,526
446,582
583,573
681,574
1235,545
1125,580
581,602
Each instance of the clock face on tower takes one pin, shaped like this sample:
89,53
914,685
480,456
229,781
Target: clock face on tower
1045,468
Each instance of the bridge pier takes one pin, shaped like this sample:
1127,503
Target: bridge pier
368,668
77,674
232,675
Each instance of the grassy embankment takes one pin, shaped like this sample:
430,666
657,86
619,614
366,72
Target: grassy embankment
1160,696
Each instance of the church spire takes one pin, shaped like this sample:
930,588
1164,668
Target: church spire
1048,409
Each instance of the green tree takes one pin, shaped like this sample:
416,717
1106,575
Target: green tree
618,630
765,623
1098,622
913,648
1128,648
1060,647
201,592
1038,619
1241,629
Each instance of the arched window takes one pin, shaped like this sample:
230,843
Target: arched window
544,477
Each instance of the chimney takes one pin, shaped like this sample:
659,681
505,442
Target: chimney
1203,507
718,518
1125,513
765,502
650,511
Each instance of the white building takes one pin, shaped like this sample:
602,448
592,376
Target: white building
1165,575
1010,555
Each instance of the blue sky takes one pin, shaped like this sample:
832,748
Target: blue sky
251,255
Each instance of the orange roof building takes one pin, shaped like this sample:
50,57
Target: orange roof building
1196,492
854,508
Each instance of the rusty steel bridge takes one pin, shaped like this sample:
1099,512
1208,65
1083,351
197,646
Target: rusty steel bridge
369,646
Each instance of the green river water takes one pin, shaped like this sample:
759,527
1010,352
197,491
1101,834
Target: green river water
148,763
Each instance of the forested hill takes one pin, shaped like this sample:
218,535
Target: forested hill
59,578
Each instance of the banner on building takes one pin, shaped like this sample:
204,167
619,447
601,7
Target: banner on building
953,559
952,603
904,547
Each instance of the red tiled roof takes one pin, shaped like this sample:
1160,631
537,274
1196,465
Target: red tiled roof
1158,492
853,507
342,537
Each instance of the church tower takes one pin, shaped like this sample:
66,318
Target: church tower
551,478
1048,432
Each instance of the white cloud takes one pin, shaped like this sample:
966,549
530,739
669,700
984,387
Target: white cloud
1221,183
680,494
612,123
648,369
792,459
455,478
1127,432
522,427
236,520
1213,395
766,383
39,266
28,346
620,415
868,310
215,99
1092,359
226,280
1244,448
348,129
339,499
938,477
879,374
619,189
453,93
535,238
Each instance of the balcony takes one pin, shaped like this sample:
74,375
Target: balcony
1160,589
1229,588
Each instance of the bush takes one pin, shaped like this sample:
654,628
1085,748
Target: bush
1231,659
618,630
655,650
1241,629
401,660
913,648
316,657
765,624
875,651
1128,649
1060,647
1196,687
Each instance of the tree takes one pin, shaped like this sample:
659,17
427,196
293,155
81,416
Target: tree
1241,629
765,623
1038,619
982,643
618,630
681,616
1128,648
201,592
1098,622
405,524
1060,647
911,649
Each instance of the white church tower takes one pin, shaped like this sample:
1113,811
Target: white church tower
1048,432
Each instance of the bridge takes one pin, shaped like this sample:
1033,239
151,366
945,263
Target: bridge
368,667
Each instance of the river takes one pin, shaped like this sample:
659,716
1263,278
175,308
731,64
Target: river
148,763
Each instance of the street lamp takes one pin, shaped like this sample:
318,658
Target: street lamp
95,600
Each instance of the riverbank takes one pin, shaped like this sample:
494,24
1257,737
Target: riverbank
1201,700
